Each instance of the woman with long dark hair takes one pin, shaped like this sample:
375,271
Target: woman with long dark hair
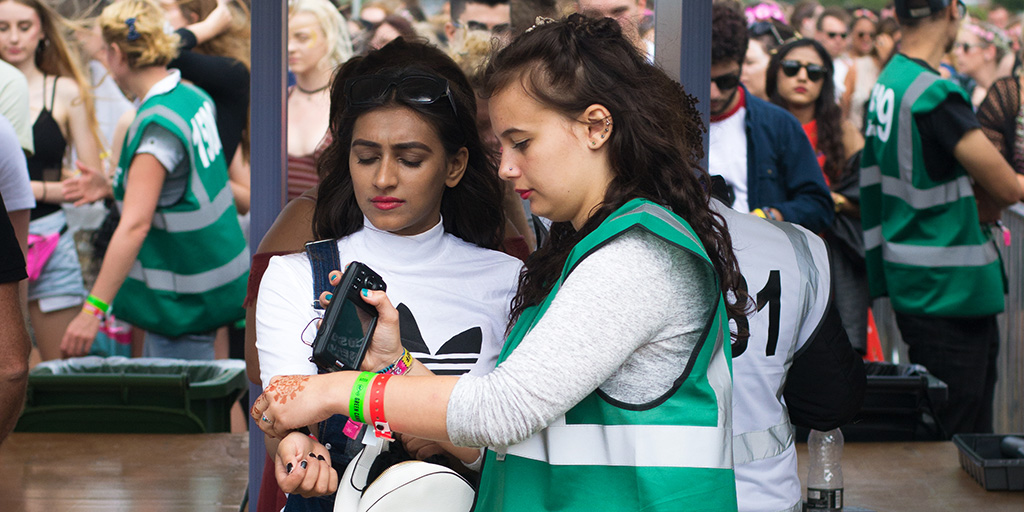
800,80
618,343
408,188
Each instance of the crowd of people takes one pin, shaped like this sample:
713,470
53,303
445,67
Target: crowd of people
580,313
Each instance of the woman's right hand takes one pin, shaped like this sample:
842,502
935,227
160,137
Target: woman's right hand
79,336
303,466
386,346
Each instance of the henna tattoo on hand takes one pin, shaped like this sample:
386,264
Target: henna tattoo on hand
286,388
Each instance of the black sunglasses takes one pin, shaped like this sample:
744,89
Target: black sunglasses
815,72
727,82
833,35
418,89
763,28
500,28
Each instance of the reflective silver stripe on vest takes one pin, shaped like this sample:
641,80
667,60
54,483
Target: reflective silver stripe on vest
167,281
664,216
628,445
762,444
929,256
905,140
917,198
208,214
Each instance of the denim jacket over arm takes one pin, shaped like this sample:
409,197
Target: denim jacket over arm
782,170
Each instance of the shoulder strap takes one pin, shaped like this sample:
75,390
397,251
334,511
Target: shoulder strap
53,94
323,258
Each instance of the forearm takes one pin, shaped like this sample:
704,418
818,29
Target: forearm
14,353
121,254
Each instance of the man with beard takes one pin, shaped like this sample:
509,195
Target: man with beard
926,247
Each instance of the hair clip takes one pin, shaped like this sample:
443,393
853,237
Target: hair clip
132,33
540,20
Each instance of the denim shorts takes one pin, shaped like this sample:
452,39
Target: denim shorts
195,347
60,284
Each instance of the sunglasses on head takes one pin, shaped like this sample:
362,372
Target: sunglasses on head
500,28
417,89
815,72
763,28
727,81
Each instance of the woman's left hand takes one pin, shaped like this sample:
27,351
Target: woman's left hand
291,401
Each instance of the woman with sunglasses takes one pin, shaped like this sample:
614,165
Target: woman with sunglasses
800,81
978,50
177,263
618,346
408,188
866,65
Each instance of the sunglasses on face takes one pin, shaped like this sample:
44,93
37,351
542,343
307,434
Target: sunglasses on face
833,35
965,47
727,82
500,28
418,89
864,34
815,72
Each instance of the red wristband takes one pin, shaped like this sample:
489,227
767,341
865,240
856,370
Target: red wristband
380,424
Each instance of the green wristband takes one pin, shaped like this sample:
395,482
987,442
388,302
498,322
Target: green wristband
358,397
96,301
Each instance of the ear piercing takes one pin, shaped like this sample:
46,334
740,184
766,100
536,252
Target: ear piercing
607,125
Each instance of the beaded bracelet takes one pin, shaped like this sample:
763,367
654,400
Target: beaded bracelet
380,424
358,396
399,367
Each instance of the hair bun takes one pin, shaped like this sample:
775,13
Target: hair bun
600,28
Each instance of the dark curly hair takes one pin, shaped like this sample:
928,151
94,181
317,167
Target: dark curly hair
827,113
654,152
470,210
728,34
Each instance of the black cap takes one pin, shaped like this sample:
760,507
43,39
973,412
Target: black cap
906,12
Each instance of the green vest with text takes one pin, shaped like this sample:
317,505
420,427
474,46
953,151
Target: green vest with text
924,246
673,454
191,272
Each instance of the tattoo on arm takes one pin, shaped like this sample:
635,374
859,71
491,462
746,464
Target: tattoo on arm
285,388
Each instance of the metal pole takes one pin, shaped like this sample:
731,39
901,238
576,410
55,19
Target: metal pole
682,32
268,160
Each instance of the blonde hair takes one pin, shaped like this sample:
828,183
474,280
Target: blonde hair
234,42
55,57
137,27
339,42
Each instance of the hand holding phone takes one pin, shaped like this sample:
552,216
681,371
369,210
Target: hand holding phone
348,323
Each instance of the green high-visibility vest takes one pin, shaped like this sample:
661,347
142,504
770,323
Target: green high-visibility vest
191,272
674,454
925,247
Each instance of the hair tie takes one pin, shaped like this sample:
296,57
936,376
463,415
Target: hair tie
132,33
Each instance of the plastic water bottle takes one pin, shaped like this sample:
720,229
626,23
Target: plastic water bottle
825,475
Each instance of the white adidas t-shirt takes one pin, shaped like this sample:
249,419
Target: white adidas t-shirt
453,298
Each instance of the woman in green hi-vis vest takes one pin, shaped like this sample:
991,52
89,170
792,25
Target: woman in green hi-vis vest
613,389
177,264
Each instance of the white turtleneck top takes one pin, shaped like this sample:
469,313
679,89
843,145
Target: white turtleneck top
453,298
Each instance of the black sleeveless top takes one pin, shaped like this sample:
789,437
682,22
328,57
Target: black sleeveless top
50,144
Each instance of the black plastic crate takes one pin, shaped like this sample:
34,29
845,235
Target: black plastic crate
981,458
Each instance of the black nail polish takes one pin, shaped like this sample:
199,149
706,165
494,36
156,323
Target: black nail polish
311,454
320,457
288,468
303,464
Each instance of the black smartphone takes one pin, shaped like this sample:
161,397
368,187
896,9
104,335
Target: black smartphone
347,327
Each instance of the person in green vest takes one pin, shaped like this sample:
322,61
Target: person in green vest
177,263
929,178
613,388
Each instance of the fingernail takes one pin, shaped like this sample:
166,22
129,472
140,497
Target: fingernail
289,467
365,292
311,454
320,457
329,296
303,464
